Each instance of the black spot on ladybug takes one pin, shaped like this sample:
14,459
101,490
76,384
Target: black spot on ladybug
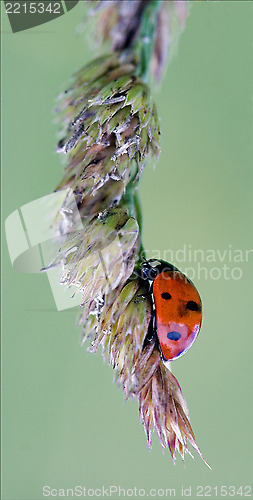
173,335
166,295
193,306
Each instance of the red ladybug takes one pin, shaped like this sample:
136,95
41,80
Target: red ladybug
178,308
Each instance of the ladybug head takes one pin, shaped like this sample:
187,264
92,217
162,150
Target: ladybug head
152,267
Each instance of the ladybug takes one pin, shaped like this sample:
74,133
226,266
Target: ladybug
178,307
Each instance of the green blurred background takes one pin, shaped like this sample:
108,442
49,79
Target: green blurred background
64,421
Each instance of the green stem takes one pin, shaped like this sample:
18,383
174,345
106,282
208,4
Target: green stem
128,200
132,202
145,43
138,212
143,47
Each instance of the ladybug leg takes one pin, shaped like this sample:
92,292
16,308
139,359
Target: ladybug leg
151,333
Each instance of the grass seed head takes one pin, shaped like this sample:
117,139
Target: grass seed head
110,128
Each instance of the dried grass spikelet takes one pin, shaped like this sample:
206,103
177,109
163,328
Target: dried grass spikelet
162,404
122,328
171,21
100,256
111,126
120,24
